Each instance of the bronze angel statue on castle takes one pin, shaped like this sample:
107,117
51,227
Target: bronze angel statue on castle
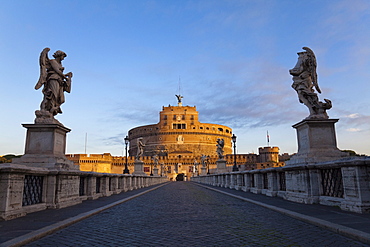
55,84
305,81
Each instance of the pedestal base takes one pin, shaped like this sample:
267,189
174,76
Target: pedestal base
155,172
203,171
221,166
45,147
316,142
139,168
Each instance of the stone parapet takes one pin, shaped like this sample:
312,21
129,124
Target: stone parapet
344,183
25,189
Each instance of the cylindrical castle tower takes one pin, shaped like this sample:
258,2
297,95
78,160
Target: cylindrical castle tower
268,154
179,132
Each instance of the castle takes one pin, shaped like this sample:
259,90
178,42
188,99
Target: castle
178,141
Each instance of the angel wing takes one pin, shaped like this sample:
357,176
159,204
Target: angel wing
312,67
44,65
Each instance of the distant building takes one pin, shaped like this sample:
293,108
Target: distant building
268,157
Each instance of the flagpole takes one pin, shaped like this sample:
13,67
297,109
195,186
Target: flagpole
85,142
268,139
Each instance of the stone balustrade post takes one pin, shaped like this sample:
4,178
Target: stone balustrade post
298,187
114,185
214,180
246,186
272,183
134,183
356,185
91,187
258,181
227,180
50,187
314,184
11,194
66,190
104,183
238,183
222,180
232,181
129,182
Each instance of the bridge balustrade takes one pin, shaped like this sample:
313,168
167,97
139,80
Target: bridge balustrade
344,183
29,189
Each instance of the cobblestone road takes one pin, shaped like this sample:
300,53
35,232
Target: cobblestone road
184,214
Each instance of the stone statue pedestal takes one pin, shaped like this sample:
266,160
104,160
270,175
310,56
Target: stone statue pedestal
221,166
45,147
203,171
316,142
155,172
139,168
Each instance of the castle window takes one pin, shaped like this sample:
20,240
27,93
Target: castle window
207,128
183,117
174,117
165,117
220,129
176,126
201,128
192,117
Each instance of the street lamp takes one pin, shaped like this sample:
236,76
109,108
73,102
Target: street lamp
126,171
151,169
235,168
208,164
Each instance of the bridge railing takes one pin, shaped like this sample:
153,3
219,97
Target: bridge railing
29,189
344,183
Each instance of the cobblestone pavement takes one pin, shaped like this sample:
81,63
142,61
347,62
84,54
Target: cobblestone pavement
184,214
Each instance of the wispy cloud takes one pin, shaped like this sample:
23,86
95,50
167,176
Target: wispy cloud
353,130
356,122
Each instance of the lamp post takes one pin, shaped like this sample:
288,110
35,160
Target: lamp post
208,165
126,171
235,168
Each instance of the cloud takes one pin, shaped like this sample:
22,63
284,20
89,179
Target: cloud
353,130
353,115
356,122
259,94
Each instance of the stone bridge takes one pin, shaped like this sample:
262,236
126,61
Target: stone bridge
288,206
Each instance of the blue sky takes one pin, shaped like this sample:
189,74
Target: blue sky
233,58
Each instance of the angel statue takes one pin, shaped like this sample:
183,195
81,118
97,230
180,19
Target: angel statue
203,160
140,148
305,81
55,84
220,148
179,99
155,160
